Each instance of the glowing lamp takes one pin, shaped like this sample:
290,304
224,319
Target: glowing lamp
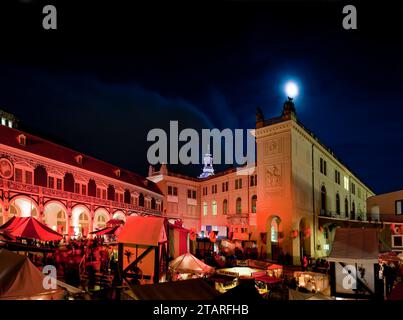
291,89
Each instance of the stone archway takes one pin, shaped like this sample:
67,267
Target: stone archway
101,217
55,216
119,215
81,220
273,237
22,206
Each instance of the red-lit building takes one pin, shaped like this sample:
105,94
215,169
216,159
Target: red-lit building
69,191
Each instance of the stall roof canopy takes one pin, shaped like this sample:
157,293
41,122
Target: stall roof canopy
355,244
19,278
188,263
30,228
148,231
194,289
105,231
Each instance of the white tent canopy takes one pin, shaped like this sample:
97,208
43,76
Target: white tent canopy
187,263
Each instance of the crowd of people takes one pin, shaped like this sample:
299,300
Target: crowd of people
78,257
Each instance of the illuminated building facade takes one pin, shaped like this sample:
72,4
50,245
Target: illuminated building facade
307,192
69,191
292,203
388,209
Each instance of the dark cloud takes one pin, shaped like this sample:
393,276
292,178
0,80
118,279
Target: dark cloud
100,84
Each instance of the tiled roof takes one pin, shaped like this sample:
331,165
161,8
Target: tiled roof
47,149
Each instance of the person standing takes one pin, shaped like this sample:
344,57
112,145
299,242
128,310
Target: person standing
304,263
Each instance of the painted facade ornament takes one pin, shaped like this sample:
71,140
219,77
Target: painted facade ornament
6,168
273,176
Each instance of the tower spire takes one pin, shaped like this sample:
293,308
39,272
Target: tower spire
208,169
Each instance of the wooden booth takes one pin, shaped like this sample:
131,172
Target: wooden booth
143,249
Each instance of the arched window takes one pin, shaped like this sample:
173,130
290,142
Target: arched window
274,230
204,208
61,215
214,208
346,207
238,207
254,199
83,217
337,203
225,206
323,199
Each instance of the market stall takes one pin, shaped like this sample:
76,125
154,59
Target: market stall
178,239
143,249
355,252
21,280
29,228
188,266
312,281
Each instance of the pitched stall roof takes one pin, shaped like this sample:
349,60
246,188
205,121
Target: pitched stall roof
19,278
47,149
147,231
353,245
30,228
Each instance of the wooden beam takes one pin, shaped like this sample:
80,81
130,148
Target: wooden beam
157,264
140,257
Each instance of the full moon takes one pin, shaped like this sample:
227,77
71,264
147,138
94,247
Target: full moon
291,89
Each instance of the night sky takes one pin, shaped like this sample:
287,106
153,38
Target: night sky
111,73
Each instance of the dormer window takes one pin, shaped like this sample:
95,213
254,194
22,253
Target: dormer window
79,159
117,172
22,140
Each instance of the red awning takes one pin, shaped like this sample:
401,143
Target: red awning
31,228
11,223
105,231
115,222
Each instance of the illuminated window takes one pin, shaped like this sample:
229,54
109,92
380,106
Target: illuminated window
346,183
254,200
274,231
214,208
10,123
3,121
399,206
204,208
